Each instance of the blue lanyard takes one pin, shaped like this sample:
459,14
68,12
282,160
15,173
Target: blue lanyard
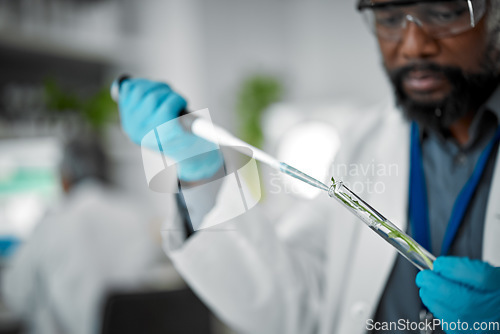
419,210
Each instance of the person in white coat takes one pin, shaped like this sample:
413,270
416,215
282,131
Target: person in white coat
435,153
96,241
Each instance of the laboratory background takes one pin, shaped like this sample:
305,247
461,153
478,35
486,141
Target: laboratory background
265,69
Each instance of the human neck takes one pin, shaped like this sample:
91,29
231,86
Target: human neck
460,129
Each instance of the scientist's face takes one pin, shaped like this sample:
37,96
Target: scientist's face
437,81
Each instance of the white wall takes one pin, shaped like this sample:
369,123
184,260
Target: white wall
333,53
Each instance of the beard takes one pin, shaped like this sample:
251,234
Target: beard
468,92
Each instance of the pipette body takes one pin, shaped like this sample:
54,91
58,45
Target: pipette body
205,129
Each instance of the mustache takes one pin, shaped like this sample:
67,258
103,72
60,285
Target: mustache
469,90
451,73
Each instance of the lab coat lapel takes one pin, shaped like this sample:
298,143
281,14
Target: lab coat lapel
491,246
373,258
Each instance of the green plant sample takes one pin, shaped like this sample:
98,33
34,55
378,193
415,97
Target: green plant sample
393,233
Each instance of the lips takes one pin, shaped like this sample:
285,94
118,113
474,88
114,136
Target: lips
424,82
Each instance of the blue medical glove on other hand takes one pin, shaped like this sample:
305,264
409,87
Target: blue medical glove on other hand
462,289
146,105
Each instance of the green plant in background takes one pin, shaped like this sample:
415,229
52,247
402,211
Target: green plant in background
257,93
58,100
97,110
100,108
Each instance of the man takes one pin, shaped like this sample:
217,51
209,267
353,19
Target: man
95,241
330,274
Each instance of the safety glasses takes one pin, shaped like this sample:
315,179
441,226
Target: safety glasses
439,19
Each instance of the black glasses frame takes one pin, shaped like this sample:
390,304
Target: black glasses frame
369,4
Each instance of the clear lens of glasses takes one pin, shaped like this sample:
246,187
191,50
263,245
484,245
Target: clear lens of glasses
438,18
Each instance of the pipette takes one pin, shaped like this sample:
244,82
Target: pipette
403,243
205,129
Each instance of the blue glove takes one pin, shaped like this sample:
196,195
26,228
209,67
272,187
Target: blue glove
146,105
460,289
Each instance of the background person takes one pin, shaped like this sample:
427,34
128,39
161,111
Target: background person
96,240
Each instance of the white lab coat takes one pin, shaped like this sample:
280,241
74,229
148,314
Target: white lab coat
97,240
322,270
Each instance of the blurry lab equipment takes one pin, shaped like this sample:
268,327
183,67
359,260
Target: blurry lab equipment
96,240
29,186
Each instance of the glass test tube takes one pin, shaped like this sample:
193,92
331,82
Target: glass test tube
405,245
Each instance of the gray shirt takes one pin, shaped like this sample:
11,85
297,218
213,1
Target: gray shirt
447,168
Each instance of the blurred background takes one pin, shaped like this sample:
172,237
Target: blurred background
264,68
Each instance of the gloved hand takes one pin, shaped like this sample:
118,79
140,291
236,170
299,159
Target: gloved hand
460,289
146,105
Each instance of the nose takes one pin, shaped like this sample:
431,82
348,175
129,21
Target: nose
416,44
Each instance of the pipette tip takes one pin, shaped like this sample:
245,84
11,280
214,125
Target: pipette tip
289,170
